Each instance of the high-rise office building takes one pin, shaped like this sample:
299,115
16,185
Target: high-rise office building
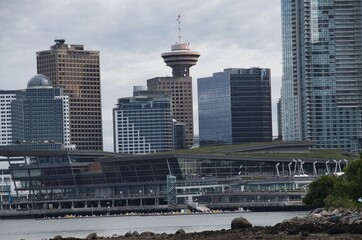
235,107
6,98
41,113
180,59
322,72
143,123
77,71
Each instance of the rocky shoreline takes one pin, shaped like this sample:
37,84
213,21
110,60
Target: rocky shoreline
319,224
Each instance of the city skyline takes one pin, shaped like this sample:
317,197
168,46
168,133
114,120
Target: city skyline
226,33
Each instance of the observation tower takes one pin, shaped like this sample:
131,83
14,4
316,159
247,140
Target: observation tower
181,58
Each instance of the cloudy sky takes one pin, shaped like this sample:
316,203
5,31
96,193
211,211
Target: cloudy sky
132,34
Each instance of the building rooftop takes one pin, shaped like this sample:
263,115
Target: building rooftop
40,81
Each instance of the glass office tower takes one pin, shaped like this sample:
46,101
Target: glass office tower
235,107
322,72
40,113
143,123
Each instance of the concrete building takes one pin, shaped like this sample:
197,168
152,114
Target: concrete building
6,98
180,59
77,71
235,107
143,123
322,69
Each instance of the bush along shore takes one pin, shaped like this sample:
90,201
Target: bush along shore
319,224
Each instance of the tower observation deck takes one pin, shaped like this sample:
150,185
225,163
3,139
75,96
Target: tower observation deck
180,59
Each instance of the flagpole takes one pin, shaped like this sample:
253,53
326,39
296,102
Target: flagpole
179,29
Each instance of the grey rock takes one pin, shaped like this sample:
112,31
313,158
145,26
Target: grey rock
316,216
353,219
180,232
358,222
335,212
345,219
58,237
91,236
240,223
317,210
334,219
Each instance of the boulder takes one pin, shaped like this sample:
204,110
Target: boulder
180,232
353,219
345,219
240,223
316,216
334,219
58,237
317,210
91,236
358,222
335,212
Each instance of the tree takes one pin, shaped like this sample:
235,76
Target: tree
320,189
353,176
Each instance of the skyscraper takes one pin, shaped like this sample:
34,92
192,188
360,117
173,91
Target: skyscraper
76,70
322,72
41,113
180,59
6,98
143,123
235,107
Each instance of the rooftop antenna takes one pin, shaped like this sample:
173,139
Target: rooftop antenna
178,19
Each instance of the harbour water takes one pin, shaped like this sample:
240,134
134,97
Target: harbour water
38,229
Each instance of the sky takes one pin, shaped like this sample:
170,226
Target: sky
132,34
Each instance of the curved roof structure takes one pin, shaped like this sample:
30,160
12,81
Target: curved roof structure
40,81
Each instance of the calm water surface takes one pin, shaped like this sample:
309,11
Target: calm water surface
31,229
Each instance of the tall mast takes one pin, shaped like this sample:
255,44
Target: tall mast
179,29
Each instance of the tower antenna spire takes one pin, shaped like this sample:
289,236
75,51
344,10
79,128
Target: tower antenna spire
178,19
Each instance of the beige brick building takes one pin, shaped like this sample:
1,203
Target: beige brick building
77,71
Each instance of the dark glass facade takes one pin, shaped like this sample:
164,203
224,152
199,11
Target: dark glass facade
215,125
235,107
179,135
39,115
